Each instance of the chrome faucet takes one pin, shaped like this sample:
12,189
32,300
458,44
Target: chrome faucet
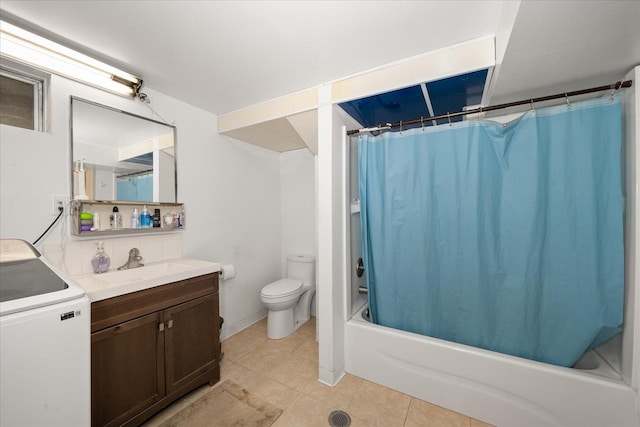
133,261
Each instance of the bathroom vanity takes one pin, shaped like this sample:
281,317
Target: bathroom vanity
151,344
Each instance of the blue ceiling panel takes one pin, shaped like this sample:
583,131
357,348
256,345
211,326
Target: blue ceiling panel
143,159
446,96
450,95
391,107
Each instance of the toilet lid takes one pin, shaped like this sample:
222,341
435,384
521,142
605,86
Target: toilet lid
282,288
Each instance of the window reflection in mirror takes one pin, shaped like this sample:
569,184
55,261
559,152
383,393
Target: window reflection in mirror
125,157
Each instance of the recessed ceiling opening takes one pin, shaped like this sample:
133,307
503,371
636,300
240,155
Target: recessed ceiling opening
435,98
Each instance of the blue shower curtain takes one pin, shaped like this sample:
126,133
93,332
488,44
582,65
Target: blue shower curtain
506,237
137,188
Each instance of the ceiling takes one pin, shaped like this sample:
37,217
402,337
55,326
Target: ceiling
222,56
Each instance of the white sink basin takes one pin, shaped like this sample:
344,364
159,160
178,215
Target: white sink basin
119,282
141,273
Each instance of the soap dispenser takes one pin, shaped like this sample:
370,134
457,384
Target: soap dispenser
101,260
145,218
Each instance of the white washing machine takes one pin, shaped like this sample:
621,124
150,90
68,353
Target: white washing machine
45,342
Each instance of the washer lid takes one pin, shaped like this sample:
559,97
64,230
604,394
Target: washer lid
28,281
282,288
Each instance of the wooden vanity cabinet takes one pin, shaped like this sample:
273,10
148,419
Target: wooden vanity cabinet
151,347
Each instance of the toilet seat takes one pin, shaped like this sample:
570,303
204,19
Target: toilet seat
282,288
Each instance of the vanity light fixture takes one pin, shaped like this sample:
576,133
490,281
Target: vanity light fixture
28,48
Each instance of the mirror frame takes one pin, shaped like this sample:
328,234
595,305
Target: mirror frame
117,110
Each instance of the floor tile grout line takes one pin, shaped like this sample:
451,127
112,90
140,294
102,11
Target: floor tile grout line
406,415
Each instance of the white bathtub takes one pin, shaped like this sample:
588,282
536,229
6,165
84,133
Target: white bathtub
493,387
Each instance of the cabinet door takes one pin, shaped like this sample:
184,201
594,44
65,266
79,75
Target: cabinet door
127,369
191,340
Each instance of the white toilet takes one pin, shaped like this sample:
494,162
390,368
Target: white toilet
289,300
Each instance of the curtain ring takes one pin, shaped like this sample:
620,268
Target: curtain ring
449,117
532,108
568,103
422,122
479,114
400,126
614,88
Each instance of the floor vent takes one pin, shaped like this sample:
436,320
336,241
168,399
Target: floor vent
339,419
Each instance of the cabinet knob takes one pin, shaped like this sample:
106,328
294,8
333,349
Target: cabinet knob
170,324
161,327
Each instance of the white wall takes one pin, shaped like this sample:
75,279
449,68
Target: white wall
231,191
332,198
298,201
164,176
104,184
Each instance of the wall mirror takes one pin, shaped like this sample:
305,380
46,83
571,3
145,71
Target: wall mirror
124,157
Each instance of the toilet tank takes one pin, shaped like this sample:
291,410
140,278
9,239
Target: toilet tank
302,267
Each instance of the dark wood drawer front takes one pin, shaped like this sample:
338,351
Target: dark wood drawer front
120,309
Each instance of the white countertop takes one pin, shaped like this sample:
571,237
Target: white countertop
115,283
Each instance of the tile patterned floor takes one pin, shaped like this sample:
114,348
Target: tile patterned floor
284,373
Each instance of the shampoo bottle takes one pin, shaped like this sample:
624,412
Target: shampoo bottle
135,219
157,222
145,218
115,219
101,260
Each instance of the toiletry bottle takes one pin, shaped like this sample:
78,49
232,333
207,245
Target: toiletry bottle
76,170
180,219
115,219
101,260
156,218
145,218
168,220
96,221
82,186
135,219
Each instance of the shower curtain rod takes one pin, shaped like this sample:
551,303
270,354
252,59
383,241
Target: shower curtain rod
135,173
612,87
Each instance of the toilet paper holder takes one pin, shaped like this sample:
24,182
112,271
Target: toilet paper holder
227,272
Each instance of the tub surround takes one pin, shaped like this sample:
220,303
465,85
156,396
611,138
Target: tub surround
493,387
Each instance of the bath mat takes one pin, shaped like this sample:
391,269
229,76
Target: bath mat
226,405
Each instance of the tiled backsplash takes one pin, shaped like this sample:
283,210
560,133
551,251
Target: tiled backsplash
75,258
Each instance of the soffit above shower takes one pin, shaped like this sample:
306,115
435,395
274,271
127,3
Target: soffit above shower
290,122
277,135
